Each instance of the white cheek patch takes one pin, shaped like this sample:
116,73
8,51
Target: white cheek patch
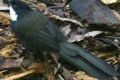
13,14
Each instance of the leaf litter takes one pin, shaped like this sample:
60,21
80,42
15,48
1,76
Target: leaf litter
100,41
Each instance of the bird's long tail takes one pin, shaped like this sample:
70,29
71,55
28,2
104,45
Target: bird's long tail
82,59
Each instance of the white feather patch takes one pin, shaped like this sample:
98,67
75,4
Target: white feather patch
13,14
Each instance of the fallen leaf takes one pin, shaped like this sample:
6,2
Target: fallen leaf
7,50
19,75
66,19
57,68
39,67
76,38
3,6
105,55
4,18
92,33
9,63
110,1
20,60
116,14
66,30
80,75
61,78
27,62
67,74
3,40
13,40
46,11
5,15
82,37
3,71
54,56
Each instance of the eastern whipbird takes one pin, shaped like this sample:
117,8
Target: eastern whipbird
36,32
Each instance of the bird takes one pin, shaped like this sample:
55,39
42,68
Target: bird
36,32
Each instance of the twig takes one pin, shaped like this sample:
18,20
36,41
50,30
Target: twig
60,77
114,78
66,19
19,75
3,71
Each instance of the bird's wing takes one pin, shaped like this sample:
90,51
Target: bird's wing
41,40
38,31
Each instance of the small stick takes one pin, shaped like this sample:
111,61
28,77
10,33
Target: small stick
19,75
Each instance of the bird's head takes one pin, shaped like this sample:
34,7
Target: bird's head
18,9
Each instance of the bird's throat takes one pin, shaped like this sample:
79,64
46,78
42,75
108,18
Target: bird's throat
13,14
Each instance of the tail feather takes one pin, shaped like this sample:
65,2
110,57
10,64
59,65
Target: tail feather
86,61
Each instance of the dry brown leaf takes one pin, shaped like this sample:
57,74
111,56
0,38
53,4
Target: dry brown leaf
82,37
47,11
76,38
49,71
104,55
15,56
20,60
110,1
39,67
13,40
54,56
3,71
9,63
80,75
27,62
42,4
66,19
19,75
93,33
13,37
3,6
1,30
116,14
67,74
5,15
7,50
3,40
66,30
4,18
40,9
10,34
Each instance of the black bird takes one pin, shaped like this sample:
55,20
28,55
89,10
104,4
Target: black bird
36,31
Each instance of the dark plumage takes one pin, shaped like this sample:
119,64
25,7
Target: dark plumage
36,31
